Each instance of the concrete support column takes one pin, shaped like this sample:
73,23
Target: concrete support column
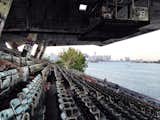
1,25
42,53
5,6
39,54
40,50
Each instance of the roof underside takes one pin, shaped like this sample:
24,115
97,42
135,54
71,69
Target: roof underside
60,22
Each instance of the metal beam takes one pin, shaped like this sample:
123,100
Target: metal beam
39,30
42,53
5,6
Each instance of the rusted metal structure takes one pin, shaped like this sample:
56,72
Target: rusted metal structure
66,23
52,22
34,89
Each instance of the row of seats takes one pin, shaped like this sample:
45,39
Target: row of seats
12,77
126,103
83,95
117,104
83,98
8,79
99,100
112,109
69,110
22,108
21,61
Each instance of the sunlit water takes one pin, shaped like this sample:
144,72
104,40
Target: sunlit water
140,77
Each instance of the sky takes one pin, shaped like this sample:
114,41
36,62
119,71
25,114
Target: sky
146,47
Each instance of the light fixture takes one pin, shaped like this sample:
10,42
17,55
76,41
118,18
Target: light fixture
82,7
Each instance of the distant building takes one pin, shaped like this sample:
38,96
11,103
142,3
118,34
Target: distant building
98,58
127,59
52,57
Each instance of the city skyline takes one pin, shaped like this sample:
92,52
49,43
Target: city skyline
146,47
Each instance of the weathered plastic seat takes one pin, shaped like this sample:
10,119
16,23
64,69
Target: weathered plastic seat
66,99
63,106
6,114
70,114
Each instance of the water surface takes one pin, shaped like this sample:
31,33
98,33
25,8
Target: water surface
140,77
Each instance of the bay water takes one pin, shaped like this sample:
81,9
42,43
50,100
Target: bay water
140,77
